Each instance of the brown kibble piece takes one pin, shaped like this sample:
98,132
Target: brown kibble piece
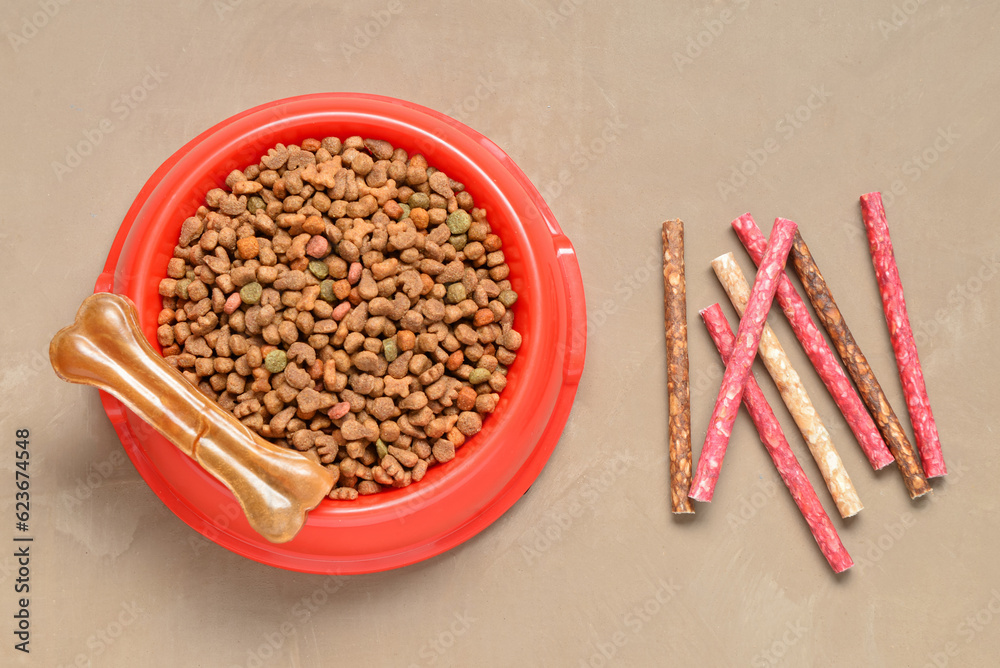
469,423
247,248
443,450
322,299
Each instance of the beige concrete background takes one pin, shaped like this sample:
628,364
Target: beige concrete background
623,115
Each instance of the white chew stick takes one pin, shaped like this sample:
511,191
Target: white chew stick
793,393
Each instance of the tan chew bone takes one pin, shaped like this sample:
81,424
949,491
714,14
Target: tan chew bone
105,348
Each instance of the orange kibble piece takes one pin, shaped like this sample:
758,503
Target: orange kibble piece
247,248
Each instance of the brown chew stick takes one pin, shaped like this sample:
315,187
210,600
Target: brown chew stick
781,454
827,364
678,389
794,394
858,368
104,348
904,346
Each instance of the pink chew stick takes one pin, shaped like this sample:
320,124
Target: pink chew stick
903,345
738,368
819,353
781,453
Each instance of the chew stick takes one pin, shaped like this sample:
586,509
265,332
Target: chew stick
678,388
793,393
911,376
819,353
858,367
738,367
777,446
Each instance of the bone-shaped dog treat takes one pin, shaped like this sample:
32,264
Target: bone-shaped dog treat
105,348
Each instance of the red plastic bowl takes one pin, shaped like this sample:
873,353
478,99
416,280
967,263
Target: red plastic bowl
454,501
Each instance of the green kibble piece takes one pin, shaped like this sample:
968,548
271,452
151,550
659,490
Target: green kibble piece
479,376
419,201
381,449
255,204
458,241
456,293
275,361
182,288
319,269
459,221
251,292
406,211
326,290
389,349
507,298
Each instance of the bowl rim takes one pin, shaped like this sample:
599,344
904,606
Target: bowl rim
567,361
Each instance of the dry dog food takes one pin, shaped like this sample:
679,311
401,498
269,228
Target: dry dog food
347,300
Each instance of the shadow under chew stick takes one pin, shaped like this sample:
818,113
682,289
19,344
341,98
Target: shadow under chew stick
858,367
819,353
781,454
911,376
678,388
794,394
738,368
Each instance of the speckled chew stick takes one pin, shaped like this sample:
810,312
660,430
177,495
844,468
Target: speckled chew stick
819,353
890,286
777,446
678,389
793,393
859,369
738,367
